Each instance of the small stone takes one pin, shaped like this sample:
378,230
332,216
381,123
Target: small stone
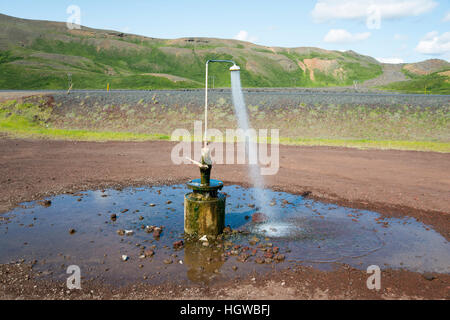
429,276
168,261
259,260
152,204
141,218
234,268
169,202
227,230
178,244
124,210
268,255
259,217
125,258
113,217
280,257
72,231
121,232
129,232
149,253
45,203
157,232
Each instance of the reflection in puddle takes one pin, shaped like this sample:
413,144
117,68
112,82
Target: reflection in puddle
304,231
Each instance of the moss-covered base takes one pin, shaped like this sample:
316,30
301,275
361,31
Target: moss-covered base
204,216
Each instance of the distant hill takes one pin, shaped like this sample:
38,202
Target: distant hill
40,54
427,67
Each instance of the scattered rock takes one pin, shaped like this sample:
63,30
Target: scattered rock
72,231
129,232
141,218
125,257
280,257
254,240
113,217
124,210
268,255
259,260
227,230
234,268
243,257
168,261
121,232
178,244
259,217
157,232
429,276
149,253
45,203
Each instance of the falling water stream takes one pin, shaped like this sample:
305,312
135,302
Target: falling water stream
250,145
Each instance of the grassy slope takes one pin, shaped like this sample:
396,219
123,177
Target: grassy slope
38,55
432,83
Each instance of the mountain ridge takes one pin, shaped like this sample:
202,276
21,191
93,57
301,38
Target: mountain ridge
39,54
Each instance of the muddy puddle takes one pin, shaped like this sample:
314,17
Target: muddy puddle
81,229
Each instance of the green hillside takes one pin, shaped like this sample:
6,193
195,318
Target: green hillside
430,76
40,54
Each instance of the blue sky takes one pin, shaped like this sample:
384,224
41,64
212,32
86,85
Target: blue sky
394,30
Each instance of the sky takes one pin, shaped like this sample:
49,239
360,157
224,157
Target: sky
390,30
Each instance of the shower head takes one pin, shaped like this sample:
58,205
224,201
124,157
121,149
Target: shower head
235,68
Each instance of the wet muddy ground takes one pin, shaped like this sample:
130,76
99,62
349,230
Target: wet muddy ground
408,241
113,236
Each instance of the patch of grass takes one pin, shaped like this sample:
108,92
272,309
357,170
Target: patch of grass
443,147
431,84
7,56
21,127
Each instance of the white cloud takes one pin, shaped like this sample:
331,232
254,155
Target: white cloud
391,60
343,36
326,10
434,44
447,17
244,36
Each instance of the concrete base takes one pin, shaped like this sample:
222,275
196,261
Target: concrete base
204,216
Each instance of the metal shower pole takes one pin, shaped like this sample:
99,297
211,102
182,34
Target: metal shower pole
206,93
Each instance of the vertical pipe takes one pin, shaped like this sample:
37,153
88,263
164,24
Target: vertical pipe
206,105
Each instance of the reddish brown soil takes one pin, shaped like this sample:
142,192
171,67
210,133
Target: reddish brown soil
395,183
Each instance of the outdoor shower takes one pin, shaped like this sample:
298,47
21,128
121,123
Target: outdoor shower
204,207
